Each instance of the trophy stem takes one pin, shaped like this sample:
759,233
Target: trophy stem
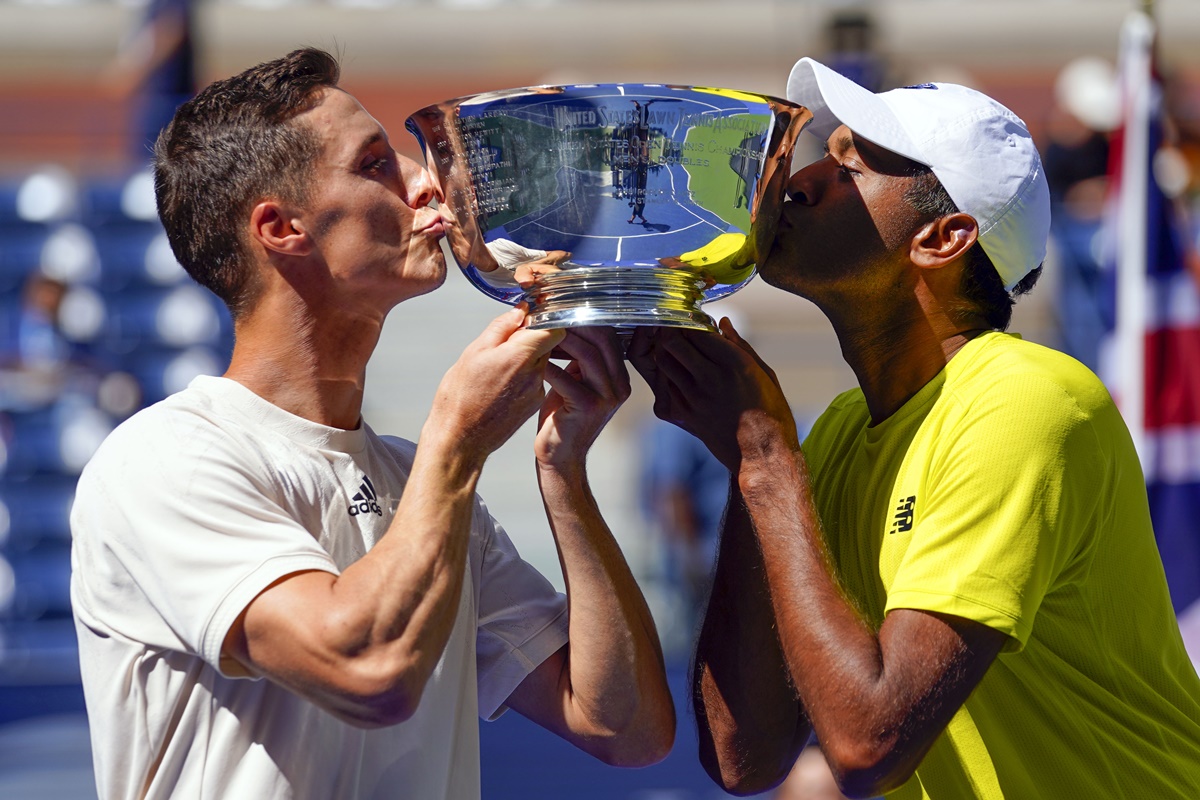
625,297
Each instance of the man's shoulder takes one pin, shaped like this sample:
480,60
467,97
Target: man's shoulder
194,421
1006,364
403,450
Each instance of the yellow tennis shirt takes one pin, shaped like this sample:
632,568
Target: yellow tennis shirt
1007,491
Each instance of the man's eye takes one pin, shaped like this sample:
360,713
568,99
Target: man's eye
375,166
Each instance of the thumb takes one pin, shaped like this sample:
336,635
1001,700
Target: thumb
502,327
538,343
730,333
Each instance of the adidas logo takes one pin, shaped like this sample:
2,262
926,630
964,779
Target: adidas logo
366,500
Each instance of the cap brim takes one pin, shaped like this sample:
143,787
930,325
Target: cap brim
836,100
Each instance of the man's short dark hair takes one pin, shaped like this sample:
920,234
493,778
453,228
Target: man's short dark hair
983,290
231,146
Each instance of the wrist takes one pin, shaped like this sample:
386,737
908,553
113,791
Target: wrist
569,472
761,439
453,458
768,458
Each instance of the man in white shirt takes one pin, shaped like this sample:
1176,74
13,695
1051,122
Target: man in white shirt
246,627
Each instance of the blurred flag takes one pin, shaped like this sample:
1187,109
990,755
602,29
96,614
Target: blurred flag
1152,363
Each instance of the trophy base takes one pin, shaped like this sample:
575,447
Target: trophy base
623,297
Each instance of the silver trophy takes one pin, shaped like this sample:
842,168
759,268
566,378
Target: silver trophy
629,204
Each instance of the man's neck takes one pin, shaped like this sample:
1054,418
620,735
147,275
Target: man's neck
313,367
895,360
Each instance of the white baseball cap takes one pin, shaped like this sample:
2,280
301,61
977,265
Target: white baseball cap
980,151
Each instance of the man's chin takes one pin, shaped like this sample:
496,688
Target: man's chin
776,270
768,268
438,280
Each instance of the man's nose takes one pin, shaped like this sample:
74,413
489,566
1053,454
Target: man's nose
804,187
420,187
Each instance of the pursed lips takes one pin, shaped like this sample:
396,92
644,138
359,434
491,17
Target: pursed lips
434,223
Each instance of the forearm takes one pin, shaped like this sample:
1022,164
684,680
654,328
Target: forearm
750,721
616,689
833,656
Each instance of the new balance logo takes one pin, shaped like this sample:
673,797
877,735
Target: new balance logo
903,520
366,500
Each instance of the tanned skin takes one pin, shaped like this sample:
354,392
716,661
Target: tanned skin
782,653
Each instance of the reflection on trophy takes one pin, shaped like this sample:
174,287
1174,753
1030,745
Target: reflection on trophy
611,204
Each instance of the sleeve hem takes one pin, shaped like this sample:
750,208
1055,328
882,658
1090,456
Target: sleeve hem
238,598
1015,628
497,683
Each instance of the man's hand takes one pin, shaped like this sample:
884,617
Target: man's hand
716,388
583,396
495,385
528,272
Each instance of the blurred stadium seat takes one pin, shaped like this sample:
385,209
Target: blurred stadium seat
21,245
127,309
163,371
135,254
35,511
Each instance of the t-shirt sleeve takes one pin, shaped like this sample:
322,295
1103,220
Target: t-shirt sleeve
522,619
170,512
1002,517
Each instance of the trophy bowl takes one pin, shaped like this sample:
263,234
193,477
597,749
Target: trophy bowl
627,204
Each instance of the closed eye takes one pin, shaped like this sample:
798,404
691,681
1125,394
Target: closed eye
375,166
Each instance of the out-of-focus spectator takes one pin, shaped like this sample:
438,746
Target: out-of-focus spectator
851,49
40,344
1086,111
155,69
35,354
683,490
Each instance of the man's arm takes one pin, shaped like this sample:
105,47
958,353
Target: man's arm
877,700
606,690
363,644
751,723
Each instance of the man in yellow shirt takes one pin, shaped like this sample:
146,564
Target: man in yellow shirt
954,583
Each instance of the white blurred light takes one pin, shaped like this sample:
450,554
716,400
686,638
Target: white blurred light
187,317
1087,88
137,198
363,3
1172,171
118,394
47,195
82,314
8,585
186,366
81,435
69,254
161,266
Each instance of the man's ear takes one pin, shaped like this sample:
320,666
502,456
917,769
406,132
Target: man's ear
272,226
942,240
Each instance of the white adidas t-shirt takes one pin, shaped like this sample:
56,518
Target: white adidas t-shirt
189,510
